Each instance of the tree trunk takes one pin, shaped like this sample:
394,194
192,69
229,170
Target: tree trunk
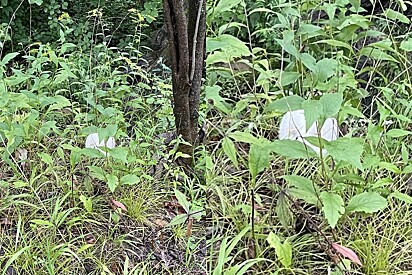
186,32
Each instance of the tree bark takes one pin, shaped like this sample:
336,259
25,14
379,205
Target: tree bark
186,33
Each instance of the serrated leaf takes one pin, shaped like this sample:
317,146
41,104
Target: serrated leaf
332,207
367,202
230,150
346,149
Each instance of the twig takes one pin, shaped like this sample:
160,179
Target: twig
199,12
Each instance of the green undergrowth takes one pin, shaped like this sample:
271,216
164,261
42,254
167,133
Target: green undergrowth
67,209
276,206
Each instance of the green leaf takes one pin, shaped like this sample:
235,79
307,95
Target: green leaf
283,212
37,2
309,61
313,111
243,137
396,16
406,45
228,44
259,157
119,153
130,179
181,198
212,93
112,182
367,202
326,68
225,5
292,149
377,54
9,57
401,196
395,133
336,43
178,219
332,207
283,250
331,104
304,189
285,104
230,150
46,158
346,149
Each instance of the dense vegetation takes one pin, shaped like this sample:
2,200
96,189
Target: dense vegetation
253,203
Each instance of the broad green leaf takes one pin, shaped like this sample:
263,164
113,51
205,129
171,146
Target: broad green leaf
9,57
130,179
326,68
112,182
332,207
367,202
395,133
309,61
283,250
287,78
401,196
212,93
119,153
283,212
336,43
285,104
228,44
331,104
377,54
304,189
406,45
178,219
46,158
346,149
259,157
313,111
225,5
181,198
396,16
243,137
230,150
292,149
390,167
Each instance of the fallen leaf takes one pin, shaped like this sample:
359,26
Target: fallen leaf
347,252
119,204
160,222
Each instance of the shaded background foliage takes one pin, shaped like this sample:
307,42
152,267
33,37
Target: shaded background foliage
46,21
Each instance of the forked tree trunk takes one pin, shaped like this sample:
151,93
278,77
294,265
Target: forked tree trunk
187,31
